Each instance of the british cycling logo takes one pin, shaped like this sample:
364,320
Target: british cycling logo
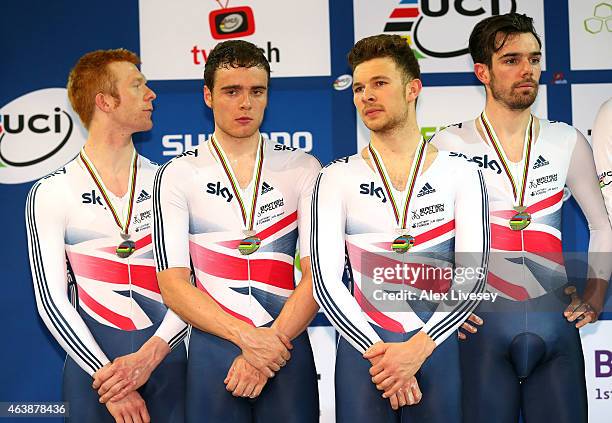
39,133
421,22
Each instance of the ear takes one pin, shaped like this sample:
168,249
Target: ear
482,72
413,89
105,102
207,96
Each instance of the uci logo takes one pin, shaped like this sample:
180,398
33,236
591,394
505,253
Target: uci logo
38,134
372,190
455,19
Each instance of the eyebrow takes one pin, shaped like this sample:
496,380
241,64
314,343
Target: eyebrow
237,86
374,78
513,54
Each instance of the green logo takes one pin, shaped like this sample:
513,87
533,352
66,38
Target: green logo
602,16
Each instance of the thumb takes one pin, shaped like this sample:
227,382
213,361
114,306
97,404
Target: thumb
376,349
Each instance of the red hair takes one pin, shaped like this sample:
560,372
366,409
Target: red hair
91,76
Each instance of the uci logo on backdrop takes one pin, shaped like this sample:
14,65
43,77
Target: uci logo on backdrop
440,28
39,133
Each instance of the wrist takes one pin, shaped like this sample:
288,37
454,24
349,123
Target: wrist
239,333
155,350
426,345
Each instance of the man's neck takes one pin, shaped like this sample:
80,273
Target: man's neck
401,142
508,124
235,148
109,152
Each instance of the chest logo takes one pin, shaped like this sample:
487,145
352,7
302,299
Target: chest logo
372,190
218,190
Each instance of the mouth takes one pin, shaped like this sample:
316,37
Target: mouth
244,120
372,112
527,84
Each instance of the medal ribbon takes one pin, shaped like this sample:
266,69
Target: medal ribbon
527,145
247,219
414,173
133,173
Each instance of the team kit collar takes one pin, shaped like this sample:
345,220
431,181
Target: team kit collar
250,243
405,241
127,247
521,219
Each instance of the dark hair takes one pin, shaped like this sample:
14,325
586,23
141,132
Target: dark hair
484,41
384,45
235,54
91,76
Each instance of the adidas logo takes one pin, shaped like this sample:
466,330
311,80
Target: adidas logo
143,196
541,161
427,189
266,188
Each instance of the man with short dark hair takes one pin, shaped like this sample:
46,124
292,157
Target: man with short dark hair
527,359
227,219
89,233
397,203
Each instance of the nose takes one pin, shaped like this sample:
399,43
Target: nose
245,102
527,67
367,95
150,95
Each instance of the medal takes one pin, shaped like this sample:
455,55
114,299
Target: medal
127,247
250,243
404,242
522,218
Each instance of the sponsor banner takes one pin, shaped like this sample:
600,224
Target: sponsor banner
586,101
39,133
439,107
323,340
597,350
590,29
180,124
438,31
176,37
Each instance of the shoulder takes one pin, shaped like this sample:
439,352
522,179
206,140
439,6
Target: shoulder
560,134
148,164
291,158
453,136
181,164
456,168
56,184
341,164
605,110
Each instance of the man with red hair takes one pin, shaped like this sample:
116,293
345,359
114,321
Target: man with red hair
89,233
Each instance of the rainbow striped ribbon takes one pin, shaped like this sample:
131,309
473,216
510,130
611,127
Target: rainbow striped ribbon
527,146
98,181
417,163
250,218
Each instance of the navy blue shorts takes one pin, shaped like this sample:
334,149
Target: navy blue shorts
358,400
164,392
290,396
526,359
